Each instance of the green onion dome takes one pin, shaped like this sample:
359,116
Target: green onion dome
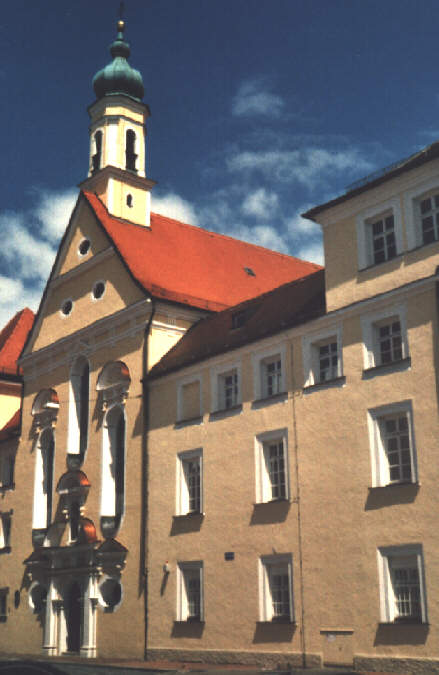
118,77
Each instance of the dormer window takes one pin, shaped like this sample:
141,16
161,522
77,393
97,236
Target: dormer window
130,149
96,158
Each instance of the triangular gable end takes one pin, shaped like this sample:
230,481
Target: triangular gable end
69,272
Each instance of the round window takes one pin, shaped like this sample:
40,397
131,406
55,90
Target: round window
98,290
66,307
111,592
84,247
37,597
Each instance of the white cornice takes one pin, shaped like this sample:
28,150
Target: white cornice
83,267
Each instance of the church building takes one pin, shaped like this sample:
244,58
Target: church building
217,452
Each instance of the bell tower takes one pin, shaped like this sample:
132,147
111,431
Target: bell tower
117,137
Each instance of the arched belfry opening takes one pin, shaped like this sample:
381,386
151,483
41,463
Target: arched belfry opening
97,156
117,137
130,150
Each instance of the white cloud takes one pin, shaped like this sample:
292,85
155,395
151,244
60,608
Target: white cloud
307,166
174,206
30,256
260,204
254,98
13,297
32,237
299,227
54,211
312,252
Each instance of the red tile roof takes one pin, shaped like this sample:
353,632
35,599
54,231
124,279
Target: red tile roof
289,305
12,339
12,427
190,265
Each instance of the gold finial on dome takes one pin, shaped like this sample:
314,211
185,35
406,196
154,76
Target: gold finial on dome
120,25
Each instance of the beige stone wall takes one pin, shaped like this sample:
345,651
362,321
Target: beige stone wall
343,521
345,282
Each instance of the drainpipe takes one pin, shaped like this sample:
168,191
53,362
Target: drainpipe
299,530
143,569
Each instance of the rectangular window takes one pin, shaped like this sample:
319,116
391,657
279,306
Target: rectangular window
271,453
385,337
271,373
322,356
382,240
393,445
7,463
189,482
327,360
276,588
228,390
3,604
402,584
389,341
189,399
429,218
5,530
190,591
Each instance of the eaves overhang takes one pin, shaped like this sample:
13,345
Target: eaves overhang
420,158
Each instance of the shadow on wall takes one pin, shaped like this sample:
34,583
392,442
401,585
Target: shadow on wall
401,634
270,512
389,495
190,522
273,632
187,629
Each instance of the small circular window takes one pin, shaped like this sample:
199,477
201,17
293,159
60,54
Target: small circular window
98,290
66,307
84,247
110,592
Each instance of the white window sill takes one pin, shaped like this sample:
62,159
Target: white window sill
339,381
384,368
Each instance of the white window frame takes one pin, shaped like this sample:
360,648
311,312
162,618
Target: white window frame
379,461
365,257
263,483
5,529
411,201
260,359
310,352
388,610
184,571
217,378
189,379
266,564
7,468
182,491
369,325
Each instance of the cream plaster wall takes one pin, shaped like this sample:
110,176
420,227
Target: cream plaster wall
343,521
120,292
345,282
84,226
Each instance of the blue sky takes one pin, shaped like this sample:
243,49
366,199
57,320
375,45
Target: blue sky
260,109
